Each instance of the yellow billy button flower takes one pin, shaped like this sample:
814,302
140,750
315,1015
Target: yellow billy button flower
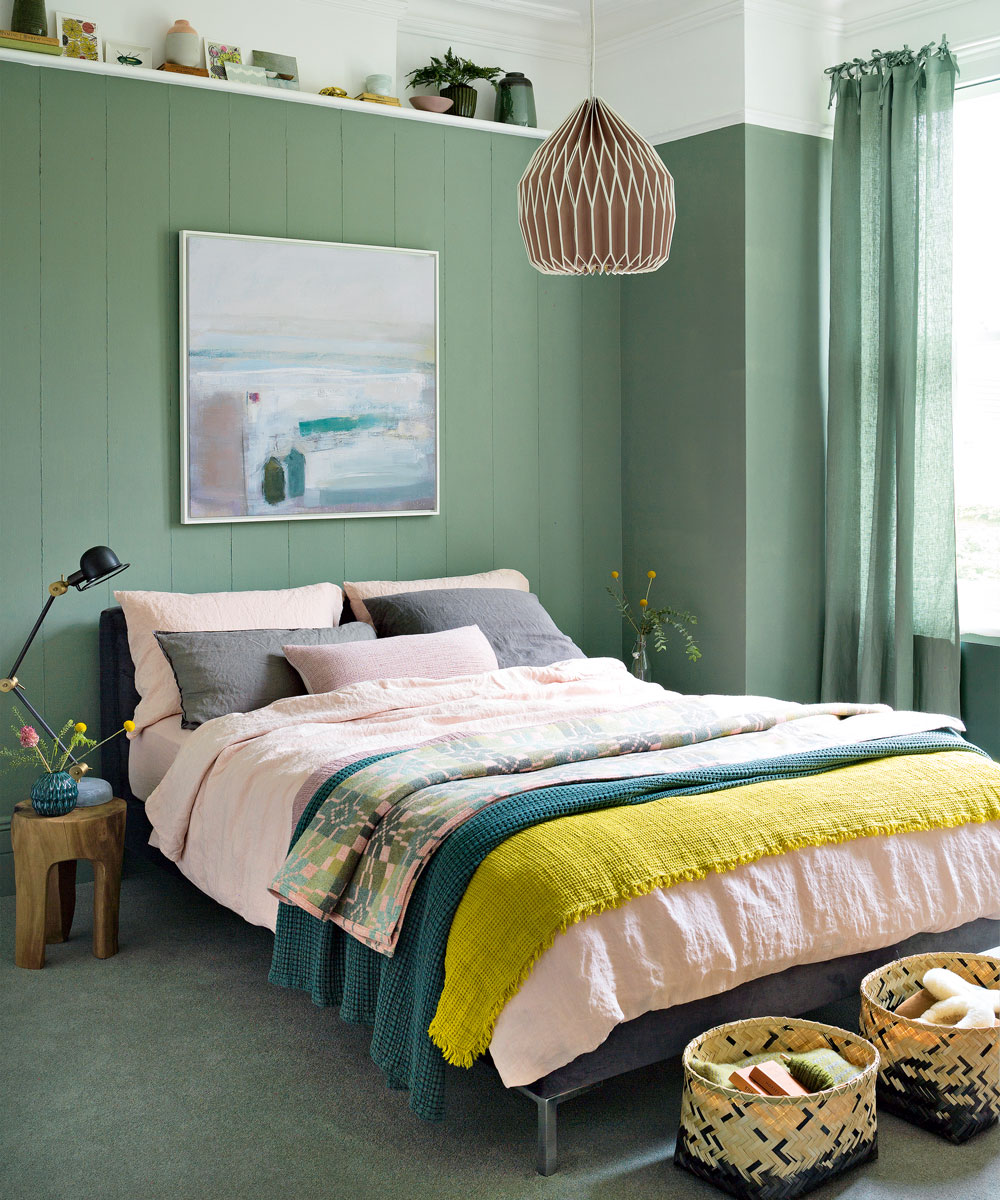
79,727
614,574
129,726
650,574
643,602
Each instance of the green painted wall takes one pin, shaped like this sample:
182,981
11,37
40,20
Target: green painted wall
722,411
981,691
683,428
97,175
787,189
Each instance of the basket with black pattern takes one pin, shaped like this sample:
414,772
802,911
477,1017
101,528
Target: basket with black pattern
776,1147
944,1079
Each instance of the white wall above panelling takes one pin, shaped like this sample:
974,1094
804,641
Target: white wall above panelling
671,67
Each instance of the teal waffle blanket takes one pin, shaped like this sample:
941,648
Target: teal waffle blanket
398,996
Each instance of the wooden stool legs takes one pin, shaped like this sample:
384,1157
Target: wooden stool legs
46,850
107,889
60,903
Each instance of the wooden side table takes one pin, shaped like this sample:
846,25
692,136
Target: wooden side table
46,850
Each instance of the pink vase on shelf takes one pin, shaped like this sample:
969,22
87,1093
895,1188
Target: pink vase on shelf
182,45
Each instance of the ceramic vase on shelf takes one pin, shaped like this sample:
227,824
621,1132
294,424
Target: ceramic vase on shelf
640,658
515,101
29,16
182,45
53,794
464,99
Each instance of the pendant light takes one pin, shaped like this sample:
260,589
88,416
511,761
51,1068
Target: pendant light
595,197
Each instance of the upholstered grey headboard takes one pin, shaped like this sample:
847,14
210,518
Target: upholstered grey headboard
118,698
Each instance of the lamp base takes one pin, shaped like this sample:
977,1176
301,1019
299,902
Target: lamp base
92,791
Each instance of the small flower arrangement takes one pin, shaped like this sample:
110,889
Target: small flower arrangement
54,754
652,623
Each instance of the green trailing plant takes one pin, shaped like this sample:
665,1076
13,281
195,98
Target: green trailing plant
654,624
451,71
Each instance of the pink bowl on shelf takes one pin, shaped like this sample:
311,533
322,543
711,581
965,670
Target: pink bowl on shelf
438,104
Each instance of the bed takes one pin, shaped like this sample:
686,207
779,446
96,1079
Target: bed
623,1019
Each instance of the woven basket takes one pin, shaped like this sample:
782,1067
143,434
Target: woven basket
775,1147
947,1080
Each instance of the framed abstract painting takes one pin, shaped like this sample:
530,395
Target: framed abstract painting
309,379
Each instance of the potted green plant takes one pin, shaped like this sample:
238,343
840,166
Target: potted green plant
652,624
454,76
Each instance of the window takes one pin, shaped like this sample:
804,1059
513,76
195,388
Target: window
977,358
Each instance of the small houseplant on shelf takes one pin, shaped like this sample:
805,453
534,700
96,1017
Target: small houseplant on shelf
54,792
652,625
454,76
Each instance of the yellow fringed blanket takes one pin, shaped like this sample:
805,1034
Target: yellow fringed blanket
546,878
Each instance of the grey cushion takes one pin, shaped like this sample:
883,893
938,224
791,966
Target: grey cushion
239,670
520,631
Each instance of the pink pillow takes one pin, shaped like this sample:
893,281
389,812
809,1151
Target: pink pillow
462,651
311,607
358,593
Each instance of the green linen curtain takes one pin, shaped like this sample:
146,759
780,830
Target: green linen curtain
891,598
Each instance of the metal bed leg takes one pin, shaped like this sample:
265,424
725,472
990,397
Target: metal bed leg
548,1148
548,1128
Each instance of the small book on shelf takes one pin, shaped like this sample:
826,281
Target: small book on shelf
10,39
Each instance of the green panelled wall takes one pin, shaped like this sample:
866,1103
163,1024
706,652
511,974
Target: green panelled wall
683,432
722,412
97,175
787,190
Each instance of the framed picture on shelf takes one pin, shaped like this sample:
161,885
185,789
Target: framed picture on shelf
127,54
217,54
282,70
78,36
309,379
241,73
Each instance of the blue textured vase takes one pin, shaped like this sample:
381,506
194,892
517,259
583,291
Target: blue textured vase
53,794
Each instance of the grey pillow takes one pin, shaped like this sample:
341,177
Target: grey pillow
239,670
520,631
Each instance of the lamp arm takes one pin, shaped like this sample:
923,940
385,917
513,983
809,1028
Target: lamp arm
19,693
31,637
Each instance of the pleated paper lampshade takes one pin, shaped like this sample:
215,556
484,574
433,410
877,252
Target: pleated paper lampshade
596,198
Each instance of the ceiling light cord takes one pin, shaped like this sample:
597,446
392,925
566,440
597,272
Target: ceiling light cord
593,49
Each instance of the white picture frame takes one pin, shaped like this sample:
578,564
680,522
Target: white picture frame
80,37
128,54
339,400
217,54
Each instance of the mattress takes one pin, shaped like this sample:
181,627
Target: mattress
152,752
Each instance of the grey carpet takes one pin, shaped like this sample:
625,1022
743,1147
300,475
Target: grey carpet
176,1070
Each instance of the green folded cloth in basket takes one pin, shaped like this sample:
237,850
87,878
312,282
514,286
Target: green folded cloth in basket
816,1070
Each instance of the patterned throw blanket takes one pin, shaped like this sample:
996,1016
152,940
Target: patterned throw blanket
399,996
360,856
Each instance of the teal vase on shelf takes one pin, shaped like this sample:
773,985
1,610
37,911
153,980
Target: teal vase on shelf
54,794
515,103
29,16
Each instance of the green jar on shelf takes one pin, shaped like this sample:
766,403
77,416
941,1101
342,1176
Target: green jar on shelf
29,16
515,103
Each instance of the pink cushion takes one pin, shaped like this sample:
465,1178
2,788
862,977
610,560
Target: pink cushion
462,651
310,607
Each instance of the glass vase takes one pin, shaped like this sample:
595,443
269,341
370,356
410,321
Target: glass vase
54,794
640,658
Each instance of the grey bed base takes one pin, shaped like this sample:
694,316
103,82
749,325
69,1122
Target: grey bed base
648,1039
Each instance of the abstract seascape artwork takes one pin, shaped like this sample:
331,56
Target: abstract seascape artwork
308,380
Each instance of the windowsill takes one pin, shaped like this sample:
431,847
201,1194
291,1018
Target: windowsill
54,61
982,639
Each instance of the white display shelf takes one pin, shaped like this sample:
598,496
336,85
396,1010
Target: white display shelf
57,62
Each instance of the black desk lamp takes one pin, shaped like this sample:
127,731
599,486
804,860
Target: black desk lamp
96,565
